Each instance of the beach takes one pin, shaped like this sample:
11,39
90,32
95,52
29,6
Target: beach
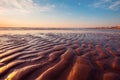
60,55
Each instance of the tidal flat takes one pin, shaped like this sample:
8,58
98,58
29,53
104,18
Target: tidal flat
60,55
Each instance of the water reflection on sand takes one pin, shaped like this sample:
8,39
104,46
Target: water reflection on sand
56,31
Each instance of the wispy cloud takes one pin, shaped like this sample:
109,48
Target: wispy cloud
107,4
23,6
115,5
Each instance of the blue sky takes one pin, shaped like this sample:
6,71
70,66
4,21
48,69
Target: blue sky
60,13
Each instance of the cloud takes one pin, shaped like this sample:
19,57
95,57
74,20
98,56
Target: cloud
107,4
115,5
23,6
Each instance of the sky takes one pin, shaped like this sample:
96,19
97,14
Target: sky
59,13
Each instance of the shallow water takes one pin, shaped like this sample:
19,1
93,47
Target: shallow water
57,31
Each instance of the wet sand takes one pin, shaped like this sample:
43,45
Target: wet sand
60,56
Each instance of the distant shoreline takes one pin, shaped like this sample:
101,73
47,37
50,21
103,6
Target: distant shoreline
36,28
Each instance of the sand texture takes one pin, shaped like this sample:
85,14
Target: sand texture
60,56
